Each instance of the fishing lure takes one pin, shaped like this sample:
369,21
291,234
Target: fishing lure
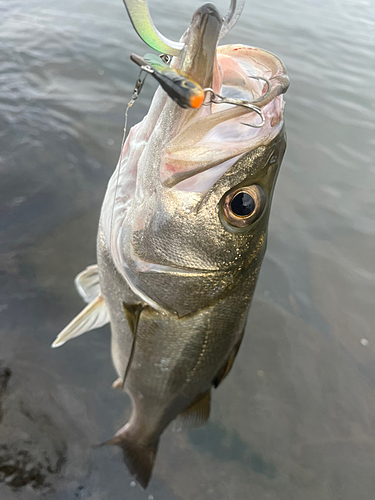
186,92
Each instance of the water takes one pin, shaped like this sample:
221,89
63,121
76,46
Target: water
296,417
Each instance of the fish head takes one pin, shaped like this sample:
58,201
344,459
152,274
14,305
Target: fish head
186,212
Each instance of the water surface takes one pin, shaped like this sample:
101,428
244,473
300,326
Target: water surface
296,417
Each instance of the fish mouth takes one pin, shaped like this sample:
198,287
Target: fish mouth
208,140
203,144
211,139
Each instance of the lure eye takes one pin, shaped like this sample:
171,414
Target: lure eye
188,84
243,206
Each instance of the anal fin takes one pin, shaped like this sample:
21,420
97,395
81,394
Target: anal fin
196,415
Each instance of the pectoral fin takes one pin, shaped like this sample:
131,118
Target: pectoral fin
132,313
93,316
87,283
195,415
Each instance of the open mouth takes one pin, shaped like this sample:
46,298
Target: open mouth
217,135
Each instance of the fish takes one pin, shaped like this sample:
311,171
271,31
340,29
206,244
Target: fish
181,238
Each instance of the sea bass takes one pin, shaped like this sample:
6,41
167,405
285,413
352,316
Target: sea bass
182,235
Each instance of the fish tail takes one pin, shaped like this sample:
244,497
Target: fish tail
139,458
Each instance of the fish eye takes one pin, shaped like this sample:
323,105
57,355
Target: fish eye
243,206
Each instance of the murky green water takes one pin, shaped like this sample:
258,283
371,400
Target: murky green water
296,418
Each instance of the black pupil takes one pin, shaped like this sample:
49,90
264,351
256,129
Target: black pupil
242,204
188,84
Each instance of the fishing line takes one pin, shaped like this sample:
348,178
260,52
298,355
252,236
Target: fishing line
137,90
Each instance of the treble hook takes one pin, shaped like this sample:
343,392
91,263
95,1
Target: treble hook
143,25
219,99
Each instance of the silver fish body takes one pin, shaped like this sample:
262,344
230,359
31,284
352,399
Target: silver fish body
185,348
177,272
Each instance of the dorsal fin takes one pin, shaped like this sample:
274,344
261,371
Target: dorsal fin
94,315
87,283
196,414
